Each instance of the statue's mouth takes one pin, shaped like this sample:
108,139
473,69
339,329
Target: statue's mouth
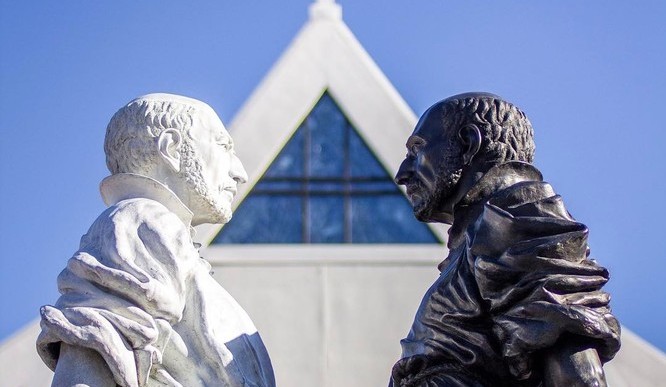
229,191
414,193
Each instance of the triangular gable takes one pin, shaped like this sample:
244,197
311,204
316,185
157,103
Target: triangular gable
325,186
324,55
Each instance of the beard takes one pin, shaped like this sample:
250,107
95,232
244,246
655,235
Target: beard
446,182
209,200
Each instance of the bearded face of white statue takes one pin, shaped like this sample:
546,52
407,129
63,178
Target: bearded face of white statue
181,143
210,170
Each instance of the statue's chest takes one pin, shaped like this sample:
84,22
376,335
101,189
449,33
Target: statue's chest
455,295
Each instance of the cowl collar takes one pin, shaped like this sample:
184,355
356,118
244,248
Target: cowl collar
123,186
496,179
500,177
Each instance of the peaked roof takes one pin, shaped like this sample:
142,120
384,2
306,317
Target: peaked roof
324,55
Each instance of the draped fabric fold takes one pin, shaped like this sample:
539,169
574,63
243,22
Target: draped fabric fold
539,283
516,283
122,291
138,293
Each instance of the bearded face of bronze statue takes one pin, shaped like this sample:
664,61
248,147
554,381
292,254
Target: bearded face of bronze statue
432,167
456,141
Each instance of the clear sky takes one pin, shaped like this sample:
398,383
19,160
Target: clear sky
591,76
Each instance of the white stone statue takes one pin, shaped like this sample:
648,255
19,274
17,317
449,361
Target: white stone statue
139,306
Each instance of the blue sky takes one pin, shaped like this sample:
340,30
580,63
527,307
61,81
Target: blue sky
591,76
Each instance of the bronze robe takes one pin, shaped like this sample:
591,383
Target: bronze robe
517,280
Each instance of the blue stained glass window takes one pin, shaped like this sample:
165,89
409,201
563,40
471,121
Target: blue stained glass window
325,186
265,219
363,162
326,214
386,186
273,186
289,162
370,217
327,139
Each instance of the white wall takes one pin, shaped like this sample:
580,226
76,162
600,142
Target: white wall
330,324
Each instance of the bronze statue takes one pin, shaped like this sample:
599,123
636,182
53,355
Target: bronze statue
518,302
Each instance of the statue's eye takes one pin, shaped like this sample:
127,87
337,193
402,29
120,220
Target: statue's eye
225,143
414,149
414,146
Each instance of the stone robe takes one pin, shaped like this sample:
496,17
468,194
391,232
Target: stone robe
517,280
138,293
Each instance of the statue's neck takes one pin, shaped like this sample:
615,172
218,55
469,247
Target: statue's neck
123,186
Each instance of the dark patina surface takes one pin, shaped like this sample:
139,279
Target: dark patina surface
518,302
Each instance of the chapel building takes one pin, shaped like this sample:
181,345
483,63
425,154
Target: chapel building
323,251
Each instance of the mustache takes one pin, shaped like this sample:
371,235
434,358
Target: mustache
414,187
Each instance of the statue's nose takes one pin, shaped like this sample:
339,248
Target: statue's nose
237,171
404,172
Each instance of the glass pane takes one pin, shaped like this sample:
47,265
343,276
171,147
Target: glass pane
363,162
273,186
289,163
326,219
326,186
265,219
327,127
387,219
385,186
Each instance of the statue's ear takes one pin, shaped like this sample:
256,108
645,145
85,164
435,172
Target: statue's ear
168,147
470,136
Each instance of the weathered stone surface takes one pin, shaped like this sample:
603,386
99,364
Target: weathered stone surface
139,306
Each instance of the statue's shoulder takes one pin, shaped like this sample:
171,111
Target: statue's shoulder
523,212
522,193
531,196
129,216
